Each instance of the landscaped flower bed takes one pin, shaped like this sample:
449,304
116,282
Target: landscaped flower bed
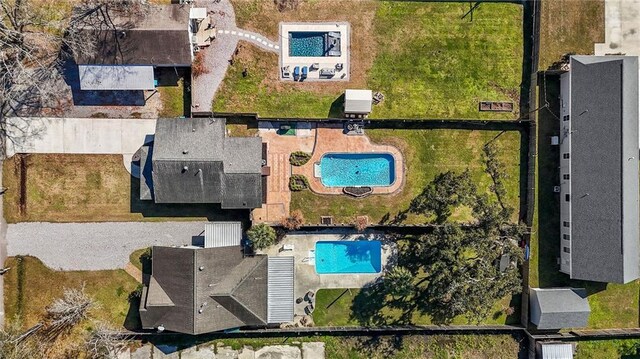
298,183
299,158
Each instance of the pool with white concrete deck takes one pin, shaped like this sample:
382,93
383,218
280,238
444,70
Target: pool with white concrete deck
286,60
306,277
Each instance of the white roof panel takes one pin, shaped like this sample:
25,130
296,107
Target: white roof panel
358,101
222,234
197,12
557,351
280,290
116,77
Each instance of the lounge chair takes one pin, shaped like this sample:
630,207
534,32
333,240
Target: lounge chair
296,73
305,72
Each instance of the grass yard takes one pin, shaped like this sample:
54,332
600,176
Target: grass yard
427,61
427,153
87,188
356,307
612,305
618,348
175,99
569,26
401,347
30,287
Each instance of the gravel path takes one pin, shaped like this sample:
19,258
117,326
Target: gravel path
94,246
216,56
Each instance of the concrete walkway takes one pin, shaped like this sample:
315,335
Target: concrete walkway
622,28
94,246
255,38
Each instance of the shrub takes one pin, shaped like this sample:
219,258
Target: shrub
261,235
298,183
299,158
294,221
198,67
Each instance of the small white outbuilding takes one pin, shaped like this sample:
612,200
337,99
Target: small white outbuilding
358,102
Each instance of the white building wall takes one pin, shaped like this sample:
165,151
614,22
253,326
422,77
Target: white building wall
565,169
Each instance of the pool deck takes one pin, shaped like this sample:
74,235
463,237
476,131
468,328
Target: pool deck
324,61
330,138
307,279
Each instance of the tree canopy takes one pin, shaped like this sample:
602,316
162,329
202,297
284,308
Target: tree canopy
261,235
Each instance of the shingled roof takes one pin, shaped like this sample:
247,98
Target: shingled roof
557,308
158,36
194,162
605,217
199,290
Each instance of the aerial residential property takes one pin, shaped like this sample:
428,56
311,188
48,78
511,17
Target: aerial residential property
319,179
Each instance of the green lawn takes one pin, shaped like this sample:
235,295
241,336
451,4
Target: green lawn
30,287
619,348
360,307
175,98
427,153
612,305
425,59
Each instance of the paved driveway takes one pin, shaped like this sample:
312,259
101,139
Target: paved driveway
94,246
77,135
622,28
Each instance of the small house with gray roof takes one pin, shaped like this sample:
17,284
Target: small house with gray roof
192,161
558,308
599,182
197,290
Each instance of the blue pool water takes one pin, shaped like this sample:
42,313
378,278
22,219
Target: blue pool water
305,43
348,257
357,169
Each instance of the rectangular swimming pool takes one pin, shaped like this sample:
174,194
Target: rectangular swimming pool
357,169
308,44
340,257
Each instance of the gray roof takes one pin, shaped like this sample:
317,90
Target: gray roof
159,37
557,308
280,291
199,290
194,162
116,77
604,168
222,234
358,101
146,182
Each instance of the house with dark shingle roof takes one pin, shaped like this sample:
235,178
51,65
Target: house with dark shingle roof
558,308
599,182
128,44
197,290
193,161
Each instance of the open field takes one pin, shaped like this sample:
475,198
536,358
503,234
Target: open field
425,59
569,26
427,153
87,188
612,305
30,287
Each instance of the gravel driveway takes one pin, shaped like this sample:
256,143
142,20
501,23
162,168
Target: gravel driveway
94,246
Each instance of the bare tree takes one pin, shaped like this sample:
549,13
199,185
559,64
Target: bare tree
104,342
14,346
66,312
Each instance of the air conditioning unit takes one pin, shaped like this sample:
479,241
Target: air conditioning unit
556,189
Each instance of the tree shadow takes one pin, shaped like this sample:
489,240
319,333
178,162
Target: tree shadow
380,346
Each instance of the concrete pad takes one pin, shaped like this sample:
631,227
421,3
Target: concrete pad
142,353
279,352
77,135
314,350
247,353
226,353
197,353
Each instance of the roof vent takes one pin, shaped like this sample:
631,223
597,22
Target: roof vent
185,168
193,129
184,152
201,268
122,34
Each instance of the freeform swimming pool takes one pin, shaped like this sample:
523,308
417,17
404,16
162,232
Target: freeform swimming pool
357,169
335,257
